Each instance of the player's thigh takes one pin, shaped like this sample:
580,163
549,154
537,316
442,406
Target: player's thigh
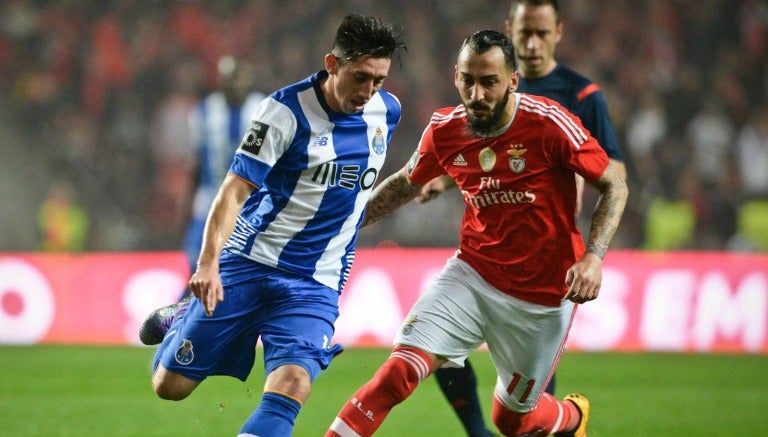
525,341
199,345
300,326
172,385
446,320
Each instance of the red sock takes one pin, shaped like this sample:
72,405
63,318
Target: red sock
393,383
549,416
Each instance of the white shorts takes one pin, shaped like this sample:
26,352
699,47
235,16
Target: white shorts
460,311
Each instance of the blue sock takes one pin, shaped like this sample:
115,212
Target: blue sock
274,417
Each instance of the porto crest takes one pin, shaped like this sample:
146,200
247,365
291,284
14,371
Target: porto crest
185,353
378,144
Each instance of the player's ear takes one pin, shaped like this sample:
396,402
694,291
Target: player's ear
331,63
456,76
514,81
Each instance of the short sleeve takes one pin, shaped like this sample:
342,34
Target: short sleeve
424,165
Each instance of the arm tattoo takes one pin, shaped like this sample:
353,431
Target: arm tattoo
610,207
393,193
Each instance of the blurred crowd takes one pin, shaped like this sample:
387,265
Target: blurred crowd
100,90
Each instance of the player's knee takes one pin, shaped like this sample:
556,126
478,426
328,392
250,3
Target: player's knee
169,391
291,380
171,386
405,369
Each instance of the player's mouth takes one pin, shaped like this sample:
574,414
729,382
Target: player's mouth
359,103
479,109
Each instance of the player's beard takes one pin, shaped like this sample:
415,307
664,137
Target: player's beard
484,127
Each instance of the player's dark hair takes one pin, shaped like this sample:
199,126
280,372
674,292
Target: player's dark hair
484,40
360,35
554,3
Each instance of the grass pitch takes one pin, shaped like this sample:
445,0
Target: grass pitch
98,391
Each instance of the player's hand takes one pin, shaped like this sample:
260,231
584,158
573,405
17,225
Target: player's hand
434,188
205,284
584,279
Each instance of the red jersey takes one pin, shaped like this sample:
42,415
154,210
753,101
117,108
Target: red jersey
519,229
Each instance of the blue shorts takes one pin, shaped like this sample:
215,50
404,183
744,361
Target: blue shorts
293,315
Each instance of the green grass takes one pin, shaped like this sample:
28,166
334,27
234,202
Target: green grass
99,391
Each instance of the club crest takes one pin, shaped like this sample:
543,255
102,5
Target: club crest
185,353
408,325
378,144
516,161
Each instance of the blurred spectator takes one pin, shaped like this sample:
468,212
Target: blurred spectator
99,88
752,229
62,222
710,132
170,141
217,125
646,129
107,66
752,155
670,221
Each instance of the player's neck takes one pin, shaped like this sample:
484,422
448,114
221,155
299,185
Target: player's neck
532,75
326,86
506,119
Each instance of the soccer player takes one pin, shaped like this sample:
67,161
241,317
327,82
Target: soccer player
535,28
522,265
217,123
280,237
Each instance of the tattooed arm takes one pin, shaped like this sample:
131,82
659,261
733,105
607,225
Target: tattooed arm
585,277
610,207
394,192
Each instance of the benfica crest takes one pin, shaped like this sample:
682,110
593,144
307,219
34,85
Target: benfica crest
516,161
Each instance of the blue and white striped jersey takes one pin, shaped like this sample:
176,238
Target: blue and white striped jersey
315,170
216,130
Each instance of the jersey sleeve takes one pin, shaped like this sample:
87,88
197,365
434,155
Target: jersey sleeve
577,149
593,111
269,134
424,165
588,159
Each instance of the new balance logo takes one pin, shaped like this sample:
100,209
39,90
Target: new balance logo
460,161
320,141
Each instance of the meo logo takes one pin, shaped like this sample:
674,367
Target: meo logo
346,176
